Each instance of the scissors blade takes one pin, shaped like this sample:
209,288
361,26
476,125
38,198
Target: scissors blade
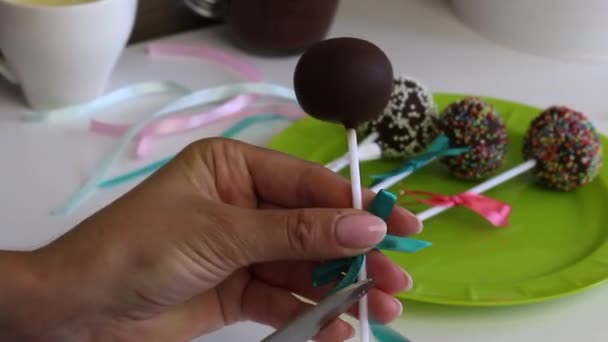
307,325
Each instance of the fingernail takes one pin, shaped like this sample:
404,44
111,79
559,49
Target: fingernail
398,306
409,280
420,224
351,332
360,231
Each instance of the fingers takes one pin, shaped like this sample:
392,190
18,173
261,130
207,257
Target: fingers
337,330
301,184
398,223
184,322
304,234
260,303
383,308
297,276
282,180
389,277
277,307
401,222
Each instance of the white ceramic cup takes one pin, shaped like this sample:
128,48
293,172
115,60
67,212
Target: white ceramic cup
63,55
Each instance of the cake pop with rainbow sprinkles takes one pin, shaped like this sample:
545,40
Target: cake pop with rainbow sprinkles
474,123
472,143
566,147
561,147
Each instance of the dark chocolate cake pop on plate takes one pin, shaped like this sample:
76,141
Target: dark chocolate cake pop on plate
474,123
566,147
409,121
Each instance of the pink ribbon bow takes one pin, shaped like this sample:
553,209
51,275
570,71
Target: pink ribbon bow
493,210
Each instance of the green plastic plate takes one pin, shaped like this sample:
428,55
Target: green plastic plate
557,243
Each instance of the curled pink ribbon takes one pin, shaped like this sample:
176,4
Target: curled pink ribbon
175,124
493,210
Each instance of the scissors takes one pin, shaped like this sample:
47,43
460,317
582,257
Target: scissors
307,325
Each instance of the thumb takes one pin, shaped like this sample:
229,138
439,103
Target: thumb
308,234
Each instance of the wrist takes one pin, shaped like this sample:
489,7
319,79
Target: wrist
22,299
36,304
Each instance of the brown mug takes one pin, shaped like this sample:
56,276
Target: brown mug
279,27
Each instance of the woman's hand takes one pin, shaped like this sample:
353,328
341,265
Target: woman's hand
224,233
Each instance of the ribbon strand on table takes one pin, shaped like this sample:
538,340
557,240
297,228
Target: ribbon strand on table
493,210
169,125
103,102
201,97
154,166
180,123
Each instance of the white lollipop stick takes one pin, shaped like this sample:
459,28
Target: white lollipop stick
338,164
367,152
390,181
483,187
355,181
367,149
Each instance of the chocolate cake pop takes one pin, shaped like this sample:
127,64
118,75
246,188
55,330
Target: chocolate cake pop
344,80
409,121
566,146
476,124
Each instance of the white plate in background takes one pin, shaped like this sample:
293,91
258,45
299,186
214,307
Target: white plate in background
565,29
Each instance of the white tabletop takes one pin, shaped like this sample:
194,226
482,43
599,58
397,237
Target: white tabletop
42,164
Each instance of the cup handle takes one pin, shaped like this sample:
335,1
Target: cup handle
6,73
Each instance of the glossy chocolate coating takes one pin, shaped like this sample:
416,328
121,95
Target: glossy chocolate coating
345,80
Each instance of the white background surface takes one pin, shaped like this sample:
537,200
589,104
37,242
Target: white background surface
42,164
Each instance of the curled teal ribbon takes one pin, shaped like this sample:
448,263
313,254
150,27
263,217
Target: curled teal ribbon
349,268
440,147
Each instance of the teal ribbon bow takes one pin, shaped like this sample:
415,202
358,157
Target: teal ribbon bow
349,268
440,147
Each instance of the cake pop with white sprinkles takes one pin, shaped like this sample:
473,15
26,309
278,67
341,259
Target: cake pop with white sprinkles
474,123
409,121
